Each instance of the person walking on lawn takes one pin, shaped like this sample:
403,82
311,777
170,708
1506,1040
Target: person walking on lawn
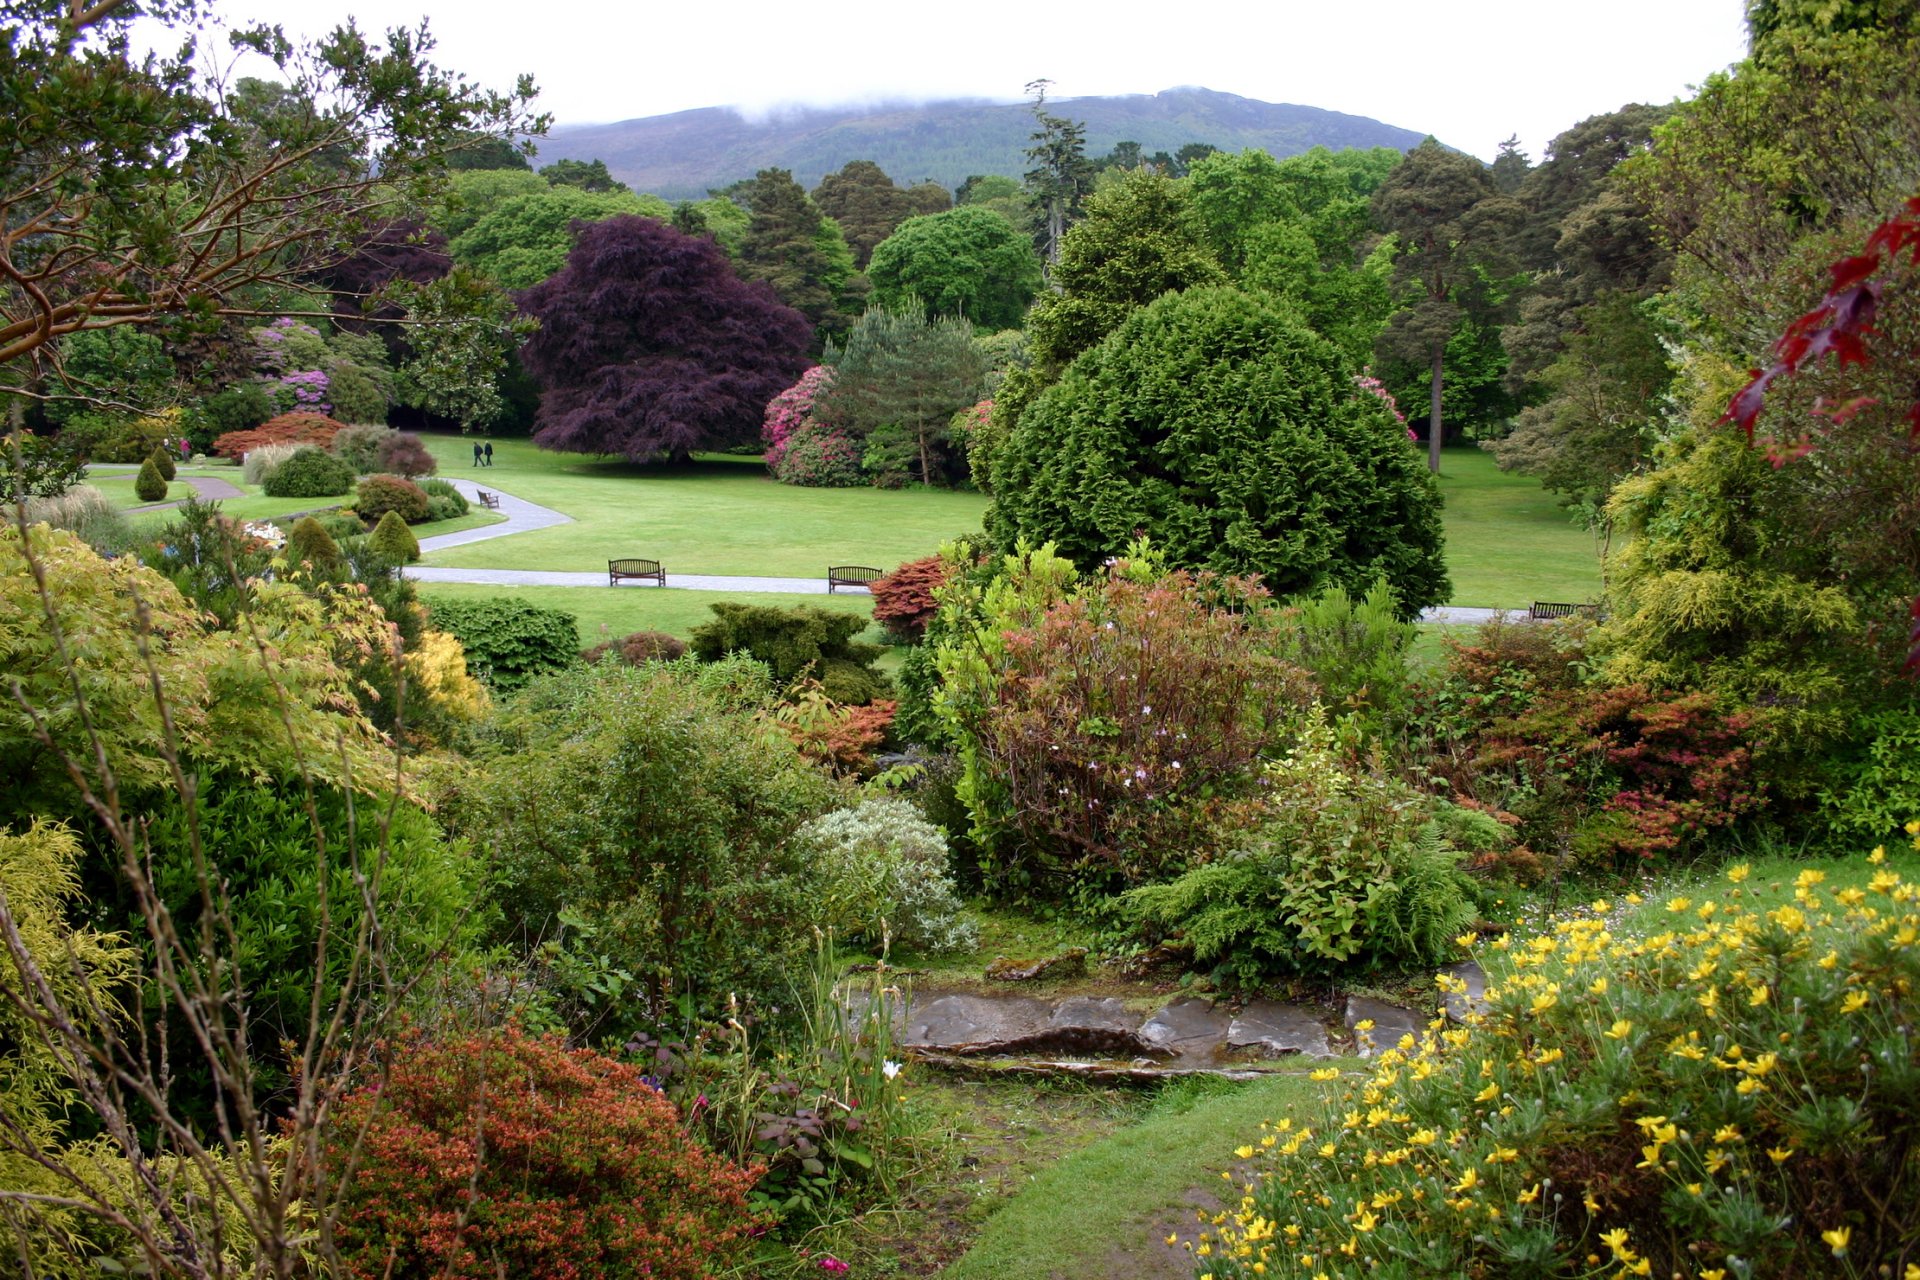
489,453
476,453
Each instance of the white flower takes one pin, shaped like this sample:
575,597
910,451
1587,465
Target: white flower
889,1069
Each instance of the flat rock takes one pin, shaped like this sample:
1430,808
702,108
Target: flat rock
1186,1028
1275,1030
987,1026
1390,1023
1474,998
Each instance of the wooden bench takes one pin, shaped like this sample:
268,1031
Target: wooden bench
1555,609
851,575
491,501
647,570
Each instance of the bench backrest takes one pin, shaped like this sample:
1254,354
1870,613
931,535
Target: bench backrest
633,566
854,573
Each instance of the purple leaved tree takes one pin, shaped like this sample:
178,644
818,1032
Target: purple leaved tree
650,346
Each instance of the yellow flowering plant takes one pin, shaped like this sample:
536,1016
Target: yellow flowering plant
1725,1092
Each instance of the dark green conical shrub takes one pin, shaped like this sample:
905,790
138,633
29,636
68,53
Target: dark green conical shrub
150,485
162,459
309,541
392,539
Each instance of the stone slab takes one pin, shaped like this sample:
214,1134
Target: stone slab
1474,998
1270,1029
1188,1027
1390,1023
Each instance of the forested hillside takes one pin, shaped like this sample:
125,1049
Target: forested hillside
681,156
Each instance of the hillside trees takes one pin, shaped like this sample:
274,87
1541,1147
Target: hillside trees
896,385
96,133
865,202
1451,223
649,345
790,245
1235,438
965,262
524,239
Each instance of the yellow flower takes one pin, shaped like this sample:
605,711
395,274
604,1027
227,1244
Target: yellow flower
1503,1155
1780,1155
1837,1240
1760,994
1366,1221
1878,856
1598,986
1727,1133
1528,1196
1620,1030
1468,1180
1749,1085
1325,1073
1709,999
1487,1094
1466,940
1365,1024
1854,1002
1616,1240
1244,1153
1715,1273
1738,872
1677,905
1544,1001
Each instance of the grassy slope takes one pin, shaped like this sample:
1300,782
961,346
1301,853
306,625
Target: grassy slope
1105,1210
712,516
1508,542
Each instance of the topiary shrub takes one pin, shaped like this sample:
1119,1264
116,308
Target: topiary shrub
903,600
444,490
309,473
150,485
1233,436
308,542
403,454
503,1154
1720,1088
393,540
508,642
379,494
885,871
803,641
638,649
162,460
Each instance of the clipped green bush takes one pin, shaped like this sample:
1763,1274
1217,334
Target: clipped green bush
359,446
379,494
509,642
392,539
1217,424
309,542
150,485
310,472
803,642
162,460
434,487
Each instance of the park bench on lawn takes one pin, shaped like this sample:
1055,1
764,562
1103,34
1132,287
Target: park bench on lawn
851,575
491,501
1555,609
617,570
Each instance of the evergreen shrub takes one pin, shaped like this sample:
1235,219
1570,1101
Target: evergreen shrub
310,473
379,494
150,485
508,642
162,460
886,874
393,540
309,542
801,642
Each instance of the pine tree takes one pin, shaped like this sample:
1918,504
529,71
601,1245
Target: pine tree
783,246
1062,175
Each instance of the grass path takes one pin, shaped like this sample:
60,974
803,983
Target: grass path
1509,542
1105,1211
603,613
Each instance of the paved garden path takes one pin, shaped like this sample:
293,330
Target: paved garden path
522,516
205,488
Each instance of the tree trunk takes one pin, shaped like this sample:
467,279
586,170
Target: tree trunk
1433,421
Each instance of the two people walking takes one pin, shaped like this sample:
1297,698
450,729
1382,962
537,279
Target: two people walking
483,454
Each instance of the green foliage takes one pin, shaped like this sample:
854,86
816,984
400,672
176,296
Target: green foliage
122,364
379,494
793,248
359,446
1236,439
1688,1095
523,239
658,812
150,485
866,204
897,382
162,460
801,643
392,539
497,1151
1876,787
1134,244
241,406
509,642
885,876
33,466
967,262
309,473
1345,868
1355,650
1109,731
308,542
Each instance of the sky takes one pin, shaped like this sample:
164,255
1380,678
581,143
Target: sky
1471,72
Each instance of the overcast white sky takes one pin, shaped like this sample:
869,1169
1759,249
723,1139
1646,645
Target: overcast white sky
1469,71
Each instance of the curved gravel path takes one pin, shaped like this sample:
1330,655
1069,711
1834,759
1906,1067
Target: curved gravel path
206,488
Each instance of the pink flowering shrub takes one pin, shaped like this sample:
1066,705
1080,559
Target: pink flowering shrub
1378,389
791,411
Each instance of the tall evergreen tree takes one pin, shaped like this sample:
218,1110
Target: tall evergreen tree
866,204
1453,225
1061,175
785,245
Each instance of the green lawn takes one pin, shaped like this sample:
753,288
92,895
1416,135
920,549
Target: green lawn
611,612
1509,542
715,515
1105,1210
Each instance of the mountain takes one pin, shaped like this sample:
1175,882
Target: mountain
681,156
